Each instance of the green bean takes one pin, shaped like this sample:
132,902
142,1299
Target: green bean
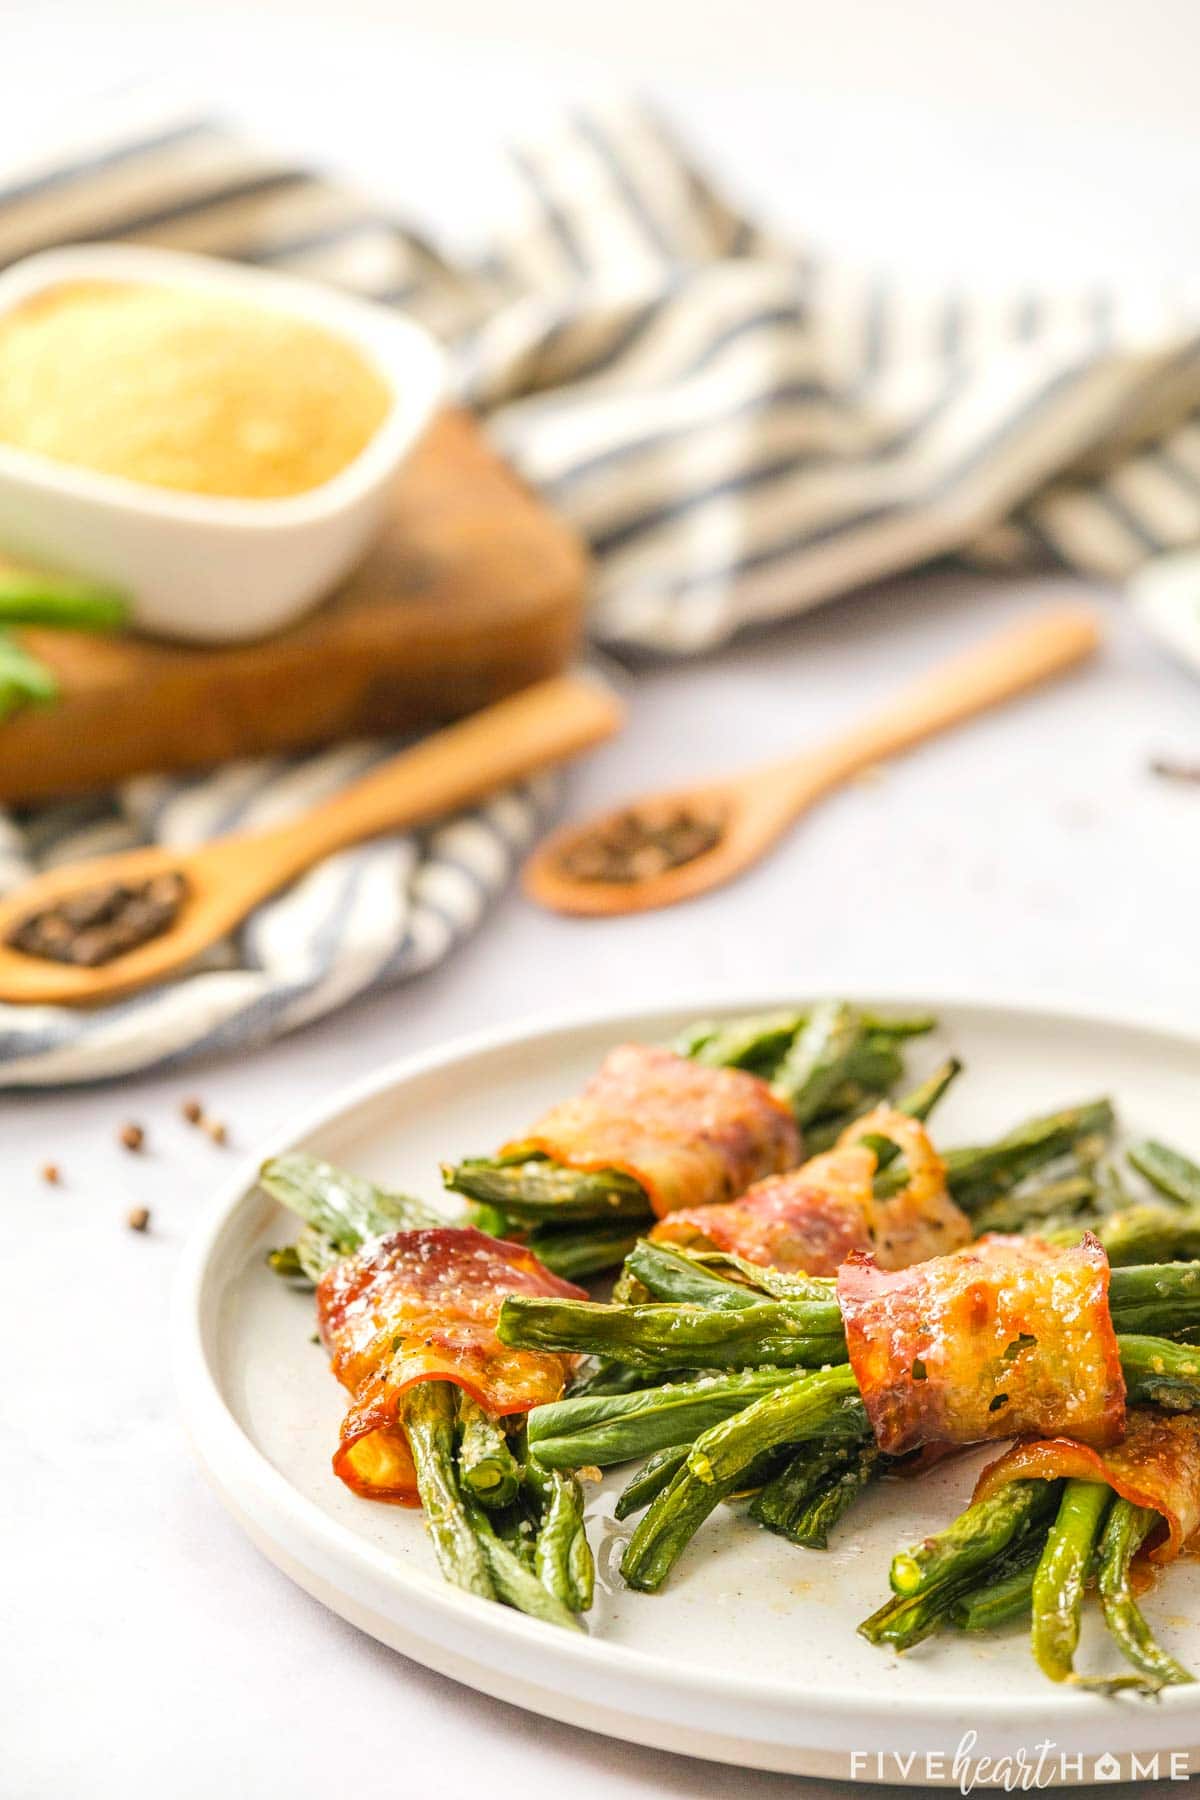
855,1101
487,1467
782,1333
607,1377
828,1506
1160,1373
665,1531
1124,1533
822,1405
758,1041
31,598
815,1064
656,1473
874,1068
974,1539
1035,1207
589,1249
561,1566
1155,1298
488,1219
581,1570
345,1208
24,679
815,1489
900,1025
541,1191
513,1581
1057,1594
1173,1174
428,1411
301,1264
978,1173
1145,1234
919,1104
752,1043
1001,1599
604,1429
672,1275
315,1252
1112,1192
905,1620
285,1262
779,1284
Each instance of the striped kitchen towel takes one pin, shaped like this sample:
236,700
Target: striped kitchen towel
739,427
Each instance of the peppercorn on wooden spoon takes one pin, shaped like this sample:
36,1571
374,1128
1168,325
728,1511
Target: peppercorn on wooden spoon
672,846
225,879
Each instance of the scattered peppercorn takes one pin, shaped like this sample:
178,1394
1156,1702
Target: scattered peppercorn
1172,770
217,1131
133,1137
51,1173
139,1218
192,1111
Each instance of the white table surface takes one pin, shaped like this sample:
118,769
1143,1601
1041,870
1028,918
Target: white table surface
146,1648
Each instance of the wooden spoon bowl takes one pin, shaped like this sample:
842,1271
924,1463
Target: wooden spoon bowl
757,807
226,879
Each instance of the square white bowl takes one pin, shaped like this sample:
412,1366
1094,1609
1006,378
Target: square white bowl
199,567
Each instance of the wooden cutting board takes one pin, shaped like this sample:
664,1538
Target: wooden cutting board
474,590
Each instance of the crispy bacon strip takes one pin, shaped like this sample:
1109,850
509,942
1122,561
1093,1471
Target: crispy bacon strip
921,1220
422,1306
1157,1465
811,1219
690,1135
807,1221
1010,1335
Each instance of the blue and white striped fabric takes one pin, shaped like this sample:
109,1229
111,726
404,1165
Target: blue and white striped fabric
741,429
360,920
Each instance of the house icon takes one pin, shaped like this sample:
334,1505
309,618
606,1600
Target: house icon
1106,1768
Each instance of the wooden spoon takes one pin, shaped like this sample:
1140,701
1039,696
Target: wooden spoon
756,808
228,877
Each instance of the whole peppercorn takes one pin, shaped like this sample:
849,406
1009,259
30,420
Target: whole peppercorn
133,1137
139,1218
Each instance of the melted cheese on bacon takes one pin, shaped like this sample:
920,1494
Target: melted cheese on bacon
921,1220
811,1219
422,1306
1157,1465
690,1135
1010,1335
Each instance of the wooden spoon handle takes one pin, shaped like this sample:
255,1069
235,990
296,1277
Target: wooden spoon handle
1015,659
542,725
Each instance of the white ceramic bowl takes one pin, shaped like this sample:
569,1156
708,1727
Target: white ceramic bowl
197,567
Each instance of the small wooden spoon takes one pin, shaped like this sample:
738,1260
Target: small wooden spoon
756,808
228,877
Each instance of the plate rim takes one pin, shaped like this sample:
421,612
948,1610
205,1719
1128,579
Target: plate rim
227,1452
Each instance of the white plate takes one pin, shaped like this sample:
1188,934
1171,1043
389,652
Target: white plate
750,1655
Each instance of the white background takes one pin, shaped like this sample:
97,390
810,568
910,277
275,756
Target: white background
146,1649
